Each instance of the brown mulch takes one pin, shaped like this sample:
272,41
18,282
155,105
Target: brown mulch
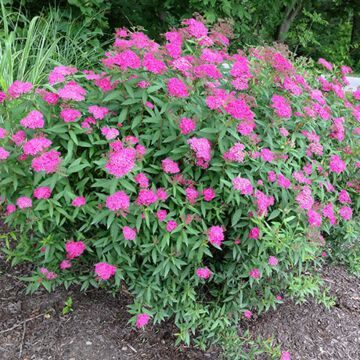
98,327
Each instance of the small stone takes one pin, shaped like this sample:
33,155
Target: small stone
88,343
124,348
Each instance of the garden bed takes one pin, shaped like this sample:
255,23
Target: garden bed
98,326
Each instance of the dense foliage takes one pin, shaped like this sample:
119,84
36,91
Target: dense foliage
201,182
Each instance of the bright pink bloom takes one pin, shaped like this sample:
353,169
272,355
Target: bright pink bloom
19,137
255,273
346,212
118,201
314,218
161,194
208,194
336,164
177,88
146,197
344,197
36,145
104,270
51,275
243,185
153,64
267,155
161,215
24,202
129,233
48,162
2,97
305,199
98,112
171,225
216,235
273,261
109,133
248,314
65,264
74,249
10,208
325,64
121,162
4,154
3,133
170,167
17,88
78,201
283,132
285,355
263,202
70,115
33,120
142,180
58,74
187,126
142,320
281,106
203,273
254,233
202,149
42,192
72,91
191,195
236,153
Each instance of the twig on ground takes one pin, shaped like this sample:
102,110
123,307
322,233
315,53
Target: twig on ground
134,350
22,340
21,323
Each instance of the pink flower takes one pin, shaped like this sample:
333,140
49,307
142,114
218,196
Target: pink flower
263,202
281,106
195,28
19,137
202,149
17,88
142,180
243,185
24,202
305,199
42,192
203,273
142,320
248,314
72,91
109,133
161,215
267,155
65,264
3,133
70,115
285,355
314,218
2,97
284,182
346,212
216,235
58,74
169,166
171,225
4,154
36,145
161,194
121,162
118,201
48,162
208,194
10,208
149,105
177,88
98,112
51,275
129,233
104,270
325,64
255,273
187,126
146,197
191,195
74,249
33,120
153,64
78,201
336,164
344,197
254,233
235,153
273,261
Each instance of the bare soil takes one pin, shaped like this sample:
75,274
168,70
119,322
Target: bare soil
33,327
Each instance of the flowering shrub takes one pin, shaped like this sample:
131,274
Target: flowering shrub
200,181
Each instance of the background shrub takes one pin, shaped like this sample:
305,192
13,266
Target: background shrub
201,182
